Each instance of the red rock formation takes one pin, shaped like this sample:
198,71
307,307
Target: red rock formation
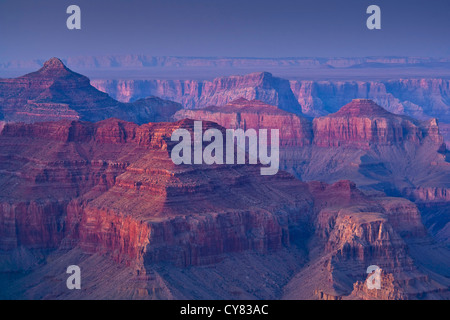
186,220
294,130
243,114
54,92
363,234
111,189
390,290
363,122
374,148
119,192
33,225
418,98
362,142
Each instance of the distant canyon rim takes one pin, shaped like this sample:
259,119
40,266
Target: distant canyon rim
148,67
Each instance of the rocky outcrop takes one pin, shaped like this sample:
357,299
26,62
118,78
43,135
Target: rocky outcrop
362,122
54,92
429,193
295,131
390,289
419,98
364,143
244,114
422,99
33,225
366,234
87,178
319,98
190,216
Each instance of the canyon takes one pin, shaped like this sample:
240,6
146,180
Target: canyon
362,142
87,180
106,196
420,98
378,150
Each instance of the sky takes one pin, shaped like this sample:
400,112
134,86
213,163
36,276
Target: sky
36,29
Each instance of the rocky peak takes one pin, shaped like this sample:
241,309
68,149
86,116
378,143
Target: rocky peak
54,63
362,122
362,107
55,92
54,68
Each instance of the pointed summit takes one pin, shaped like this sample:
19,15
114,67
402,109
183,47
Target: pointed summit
362,107
55,64
55,69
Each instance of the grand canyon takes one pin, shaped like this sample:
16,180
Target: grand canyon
87,179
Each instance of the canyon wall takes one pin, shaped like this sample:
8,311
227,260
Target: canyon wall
72,191
419,98
362,142
199,94
110,189
114,189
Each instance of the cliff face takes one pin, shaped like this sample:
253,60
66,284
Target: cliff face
371,239
114,189
199,94
257,86
363,122
420,98
367,233
362,142
244,114
295,131
54,92
110,189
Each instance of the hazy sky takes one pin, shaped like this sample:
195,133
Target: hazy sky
239,28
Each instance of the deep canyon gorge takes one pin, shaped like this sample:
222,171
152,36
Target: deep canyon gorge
87,179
